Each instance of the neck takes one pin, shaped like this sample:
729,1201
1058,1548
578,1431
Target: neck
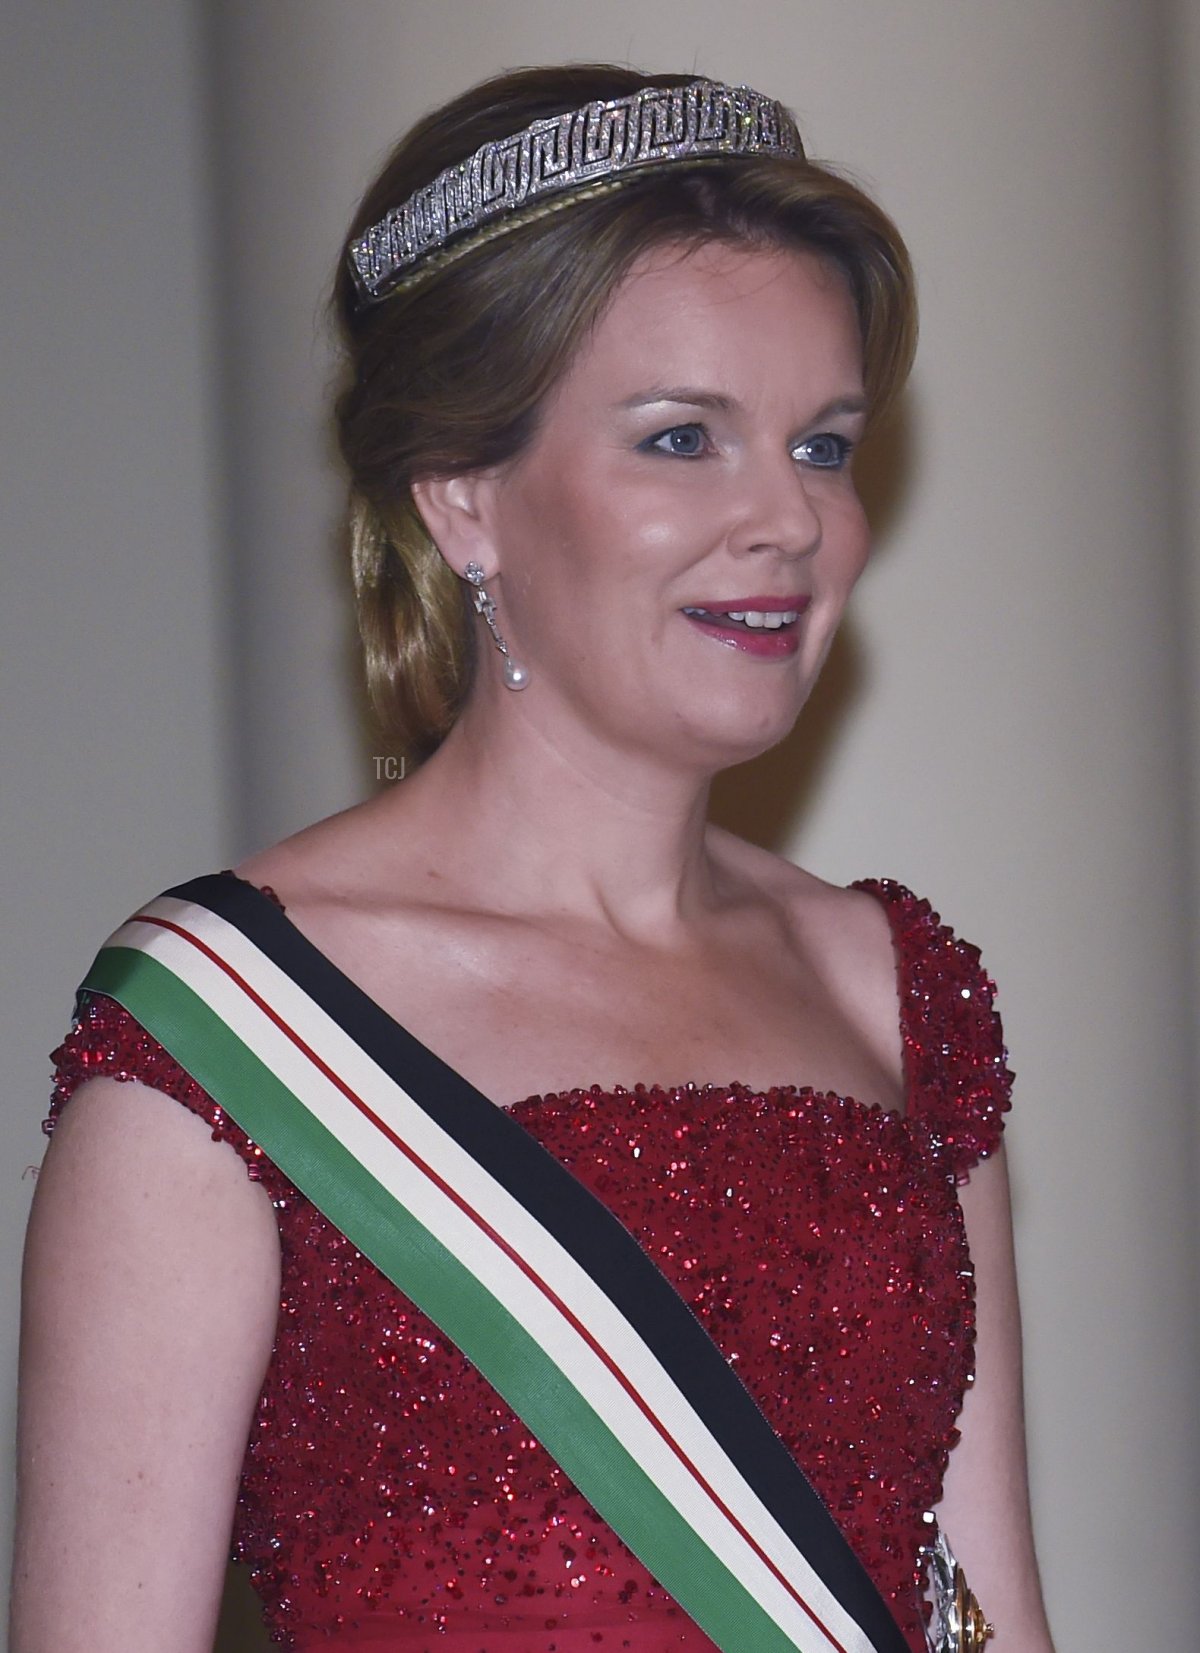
535,814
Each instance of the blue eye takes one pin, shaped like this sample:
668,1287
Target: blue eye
684,441
827,452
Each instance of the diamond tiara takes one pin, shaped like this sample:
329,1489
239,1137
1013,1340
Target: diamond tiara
593,146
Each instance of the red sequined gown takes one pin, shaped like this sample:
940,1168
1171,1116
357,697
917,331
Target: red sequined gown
391,1500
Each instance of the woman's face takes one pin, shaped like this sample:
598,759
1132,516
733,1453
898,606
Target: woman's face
676,545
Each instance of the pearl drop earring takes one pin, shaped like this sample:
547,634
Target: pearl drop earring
515,677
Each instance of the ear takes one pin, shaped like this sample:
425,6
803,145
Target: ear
453,510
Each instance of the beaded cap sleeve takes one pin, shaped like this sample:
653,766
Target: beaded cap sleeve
956,1064
107,1043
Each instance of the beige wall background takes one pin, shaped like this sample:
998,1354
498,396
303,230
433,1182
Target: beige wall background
1009,725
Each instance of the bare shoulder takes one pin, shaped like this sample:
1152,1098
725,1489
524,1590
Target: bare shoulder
845,933
372,852
848,927
309,865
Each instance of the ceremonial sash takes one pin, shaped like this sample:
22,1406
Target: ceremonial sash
534,1279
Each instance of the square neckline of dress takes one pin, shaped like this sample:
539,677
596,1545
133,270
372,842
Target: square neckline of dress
394,1031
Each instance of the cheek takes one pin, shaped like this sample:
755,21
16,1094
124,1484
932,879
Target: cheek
848,540
603,530
663,523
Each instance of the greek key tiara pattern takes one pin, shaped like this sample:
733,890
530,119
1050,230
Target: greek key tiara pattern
653,127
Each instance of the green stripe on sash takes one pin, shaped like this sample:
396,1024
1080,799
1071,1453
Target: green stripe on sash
426,1271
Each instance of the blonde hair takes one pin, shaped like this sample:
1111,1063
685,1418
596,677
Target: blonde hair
449,374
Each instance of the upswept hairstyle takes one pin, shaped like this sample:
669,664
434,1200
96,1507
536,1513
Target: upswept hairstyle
448,376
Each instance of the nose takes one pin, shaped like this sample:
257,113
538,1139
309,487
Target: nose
781,510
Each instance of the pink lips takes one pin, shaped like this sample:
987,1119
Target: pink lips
769,645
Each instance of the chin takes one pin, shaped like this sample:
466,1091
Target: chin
726,741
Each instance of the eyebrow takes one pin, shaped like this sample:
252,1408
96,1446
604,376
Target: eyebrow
682,394
689,396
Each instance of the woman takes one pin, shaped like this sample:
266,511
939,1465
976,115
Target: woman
612,341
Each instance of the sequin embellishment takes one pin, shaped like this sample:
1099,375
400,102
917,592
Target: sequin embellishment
390,1498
